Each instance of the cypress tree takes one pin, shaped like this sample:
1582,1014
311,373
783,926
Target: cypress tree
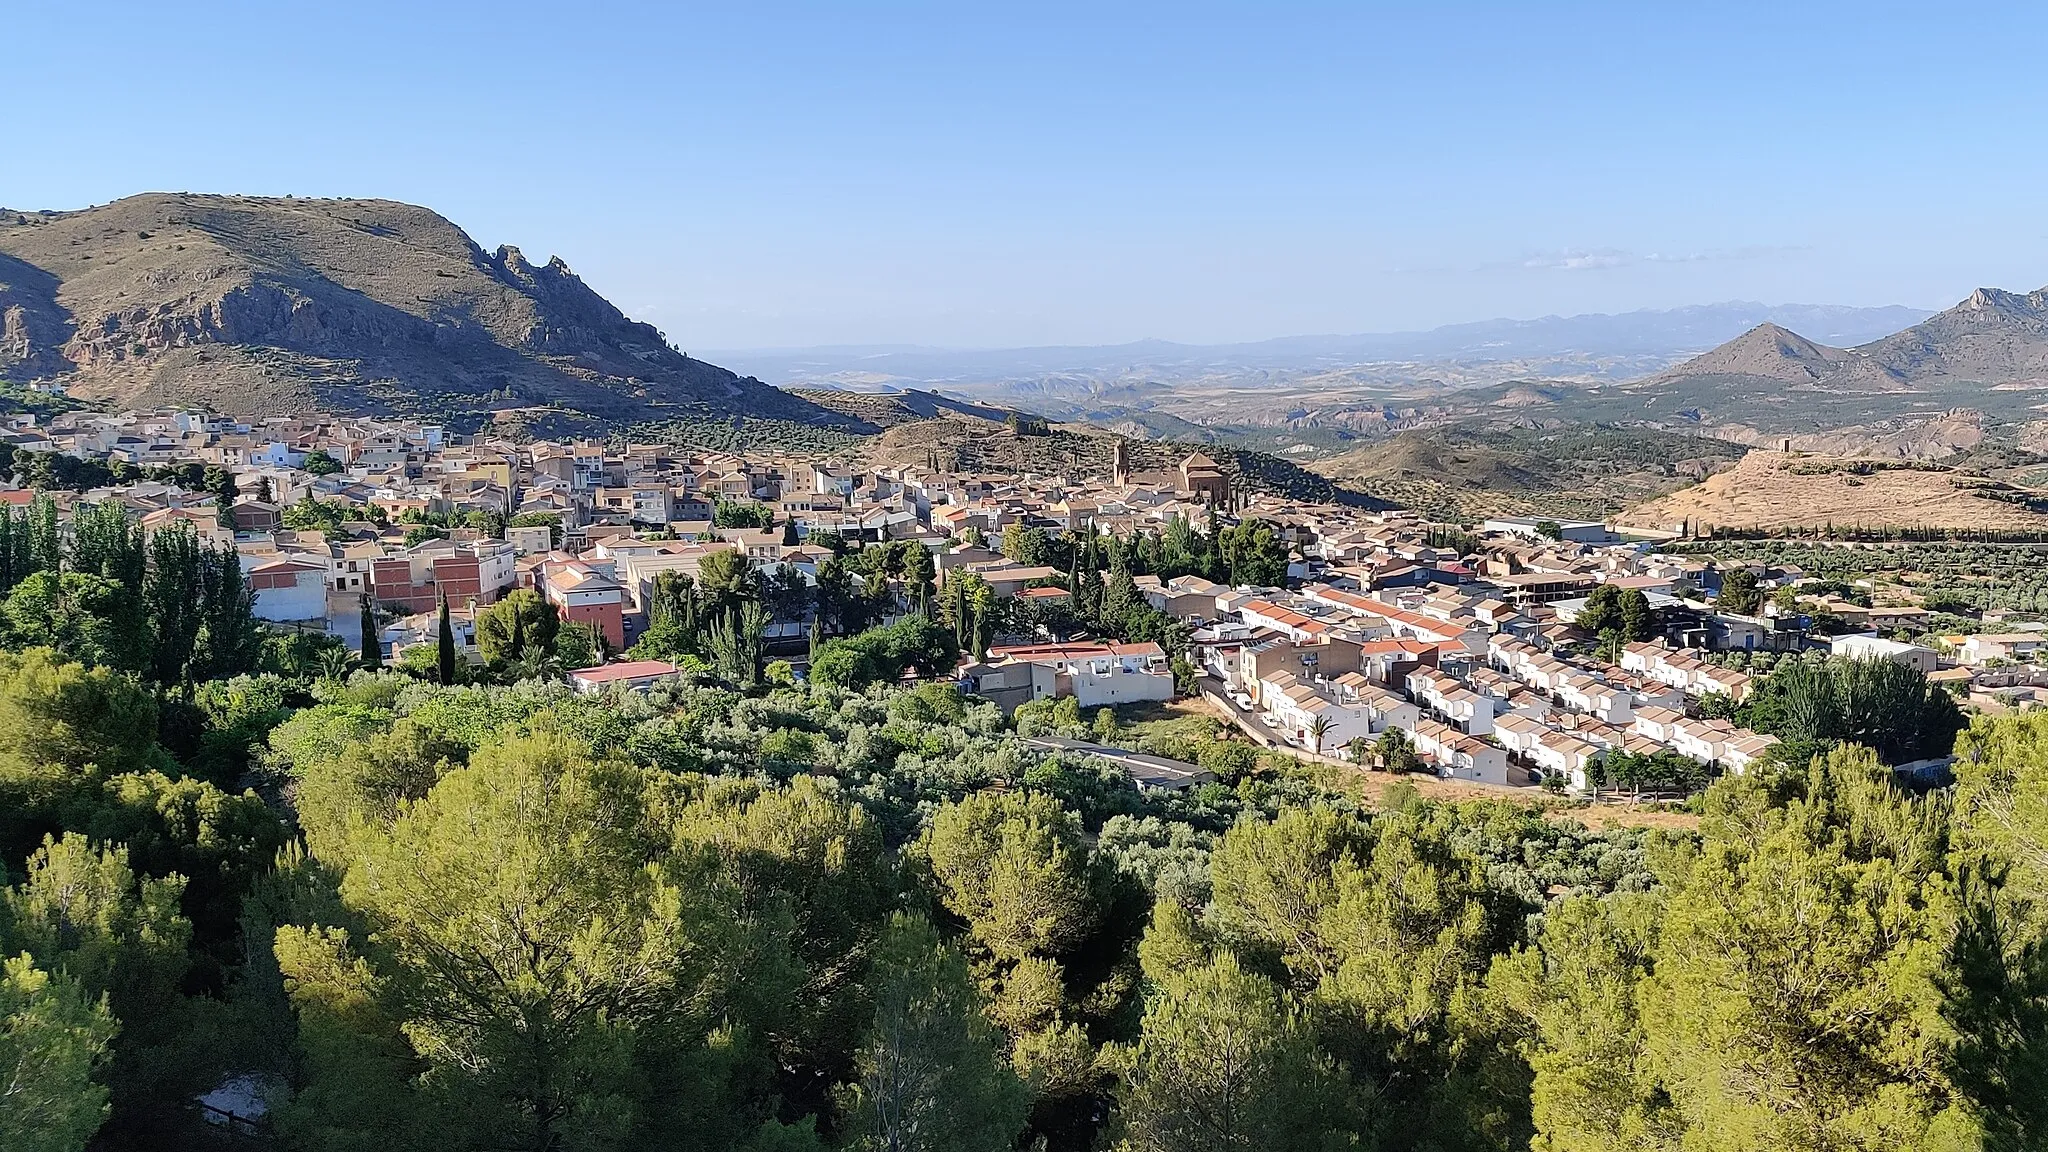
44,551
372,646
445,665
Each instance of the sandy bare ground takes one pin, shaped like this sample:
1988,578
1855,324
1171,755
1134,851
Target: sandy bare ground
1777,489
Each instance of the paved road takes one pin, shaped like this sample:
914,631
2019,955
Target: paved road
1248,722
1147,770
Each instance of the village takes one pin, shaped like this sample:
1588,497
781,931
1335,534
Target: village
1520,653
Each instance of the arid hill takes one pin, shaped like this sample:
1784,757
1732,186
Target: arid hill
1468,472
888,409
1797,490
254,305
970,444
1770,352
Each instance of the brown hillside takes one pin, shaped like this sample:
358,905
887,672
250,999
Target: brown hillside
1469,472
255,305
1767,352
1777,489
974,445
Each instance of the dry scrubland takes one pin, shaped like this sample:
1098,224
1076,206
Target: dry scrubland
1794,490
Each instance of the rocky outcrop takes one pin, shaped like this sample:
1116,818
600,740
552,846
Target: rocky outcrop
343,297
33,326
1992,338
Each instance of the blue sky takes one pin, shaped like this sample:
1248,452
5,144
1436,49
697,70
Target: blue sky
760,175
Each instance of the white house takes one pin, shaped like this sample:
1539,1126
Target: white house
1457,756
1301,706
2017,646
1442,694
1097,675
1583,692
1387,709
1742,749
1702,740
1659,724
289,590
1519,734
1862,647
1563,754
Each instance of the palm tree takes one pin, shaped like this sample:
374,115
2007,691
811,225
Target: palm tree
1319,727
335,664
534,663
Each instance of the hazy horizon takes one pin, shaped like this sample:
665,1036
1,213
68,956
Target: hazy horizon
1278,337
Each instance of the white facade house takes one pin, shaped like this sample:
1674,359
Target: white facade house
1519,734
1100,675
1386,709
1921,659
1742,750
289,591
1659,724
1457,756
1702,740
1563,754
1469,710
1299,708
1582,692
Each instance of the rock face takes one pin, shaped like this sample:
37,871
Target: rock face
256,305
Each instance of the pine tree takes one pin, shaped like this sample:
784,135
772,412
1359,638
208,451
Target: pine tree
1225,1062
54,1038
931,1074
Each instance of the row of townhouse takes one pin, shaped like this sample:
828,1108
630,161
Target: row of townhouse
1450,698
1458,755
1707,741
1400,622
1685,671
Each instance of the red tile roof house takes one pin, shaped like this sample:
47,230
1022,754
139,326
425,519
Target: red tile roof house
631,675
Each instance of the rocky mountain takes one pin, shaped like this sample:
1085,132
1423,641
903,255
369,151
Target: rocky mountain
1993,339
253,306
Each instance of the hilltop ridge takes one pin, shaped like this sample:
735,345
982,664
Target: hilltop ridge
261,305
1992,338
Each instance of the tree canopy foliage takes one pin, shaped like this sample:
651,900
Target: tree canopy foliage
742,913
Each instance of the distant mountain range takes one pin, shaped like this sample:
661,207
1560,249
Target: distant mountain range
1992,340
1664,336
256,306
